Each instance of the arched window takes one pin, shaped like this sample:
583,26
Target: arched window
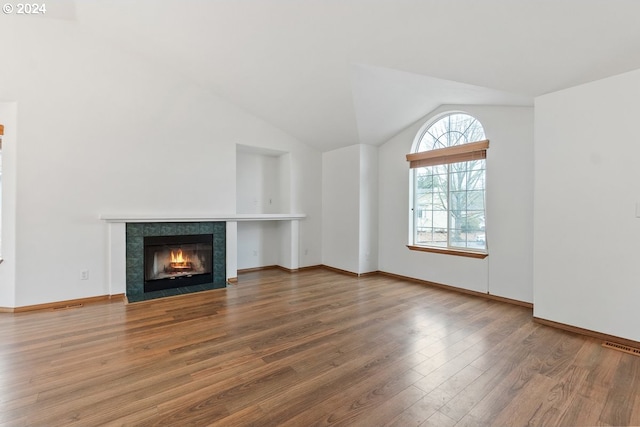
448,186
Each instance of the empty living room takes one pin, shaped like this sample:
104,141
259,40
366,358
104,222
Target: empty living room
352,213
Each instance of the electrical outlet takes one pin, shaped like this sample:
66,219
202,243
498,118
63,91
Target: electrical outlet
84,275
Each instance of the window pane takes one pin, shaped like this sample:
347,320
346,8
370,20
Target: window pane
458,200
439,237
458,181
450,130
475,180
424,235
459,167
477,241
458,239
475,200
424,182
456,219
475,165
440,202
423,218
475,221
424,201
463,222
442,170
440,220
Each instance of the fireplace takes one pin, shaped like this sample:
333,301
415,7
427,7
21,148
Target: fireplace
198,264
177,261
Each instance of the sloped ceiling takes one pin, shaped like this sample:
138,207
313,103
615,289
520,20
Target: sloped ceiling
387,100
340,72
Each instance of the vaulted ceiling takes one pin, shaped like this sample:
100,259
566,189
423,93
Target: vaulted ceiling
340,72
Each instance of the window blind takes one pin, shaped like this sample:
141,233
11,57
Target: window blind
444,156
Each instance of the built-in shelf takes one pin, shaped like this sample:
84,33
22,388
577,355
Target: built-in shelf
203,217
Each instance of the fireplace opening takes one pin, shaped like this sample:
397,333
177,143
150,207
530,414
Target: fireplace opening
177,261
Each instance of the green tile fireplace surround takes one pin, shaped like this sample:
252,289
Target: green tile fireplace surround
135,234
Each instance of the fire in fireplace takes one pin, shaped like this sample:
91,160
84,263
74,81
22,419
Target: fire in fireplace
177,261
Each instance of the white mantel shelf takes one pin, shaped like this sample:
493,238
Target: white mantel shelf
204,217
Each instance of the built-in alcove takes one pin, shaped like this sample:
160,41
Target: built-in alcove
262,187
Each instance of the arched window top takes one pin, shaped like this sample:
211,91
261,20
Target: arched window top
447,131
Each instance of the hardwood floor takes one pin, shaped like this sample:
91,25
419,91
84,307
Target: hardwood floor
305,349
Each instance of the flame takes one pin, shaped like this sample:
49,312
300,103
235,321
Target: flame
179,259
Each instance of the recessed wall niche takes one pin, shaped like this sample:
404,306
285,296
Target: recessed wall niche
262,187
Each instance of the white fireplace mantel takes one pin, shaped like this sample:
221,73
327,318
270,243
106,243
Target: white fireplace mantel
198,217
289,233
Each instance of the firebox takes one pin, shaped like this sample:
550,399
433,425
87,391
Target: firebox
177,261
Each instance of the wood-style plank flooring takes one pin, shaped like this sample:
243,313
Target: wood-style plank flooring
308,349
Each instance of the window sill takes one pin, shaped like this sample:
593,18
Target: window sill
449,251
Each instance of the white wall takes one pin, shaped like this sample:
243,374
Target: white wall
587,186
341,208
507,270
350,208
368,210
103,131
306,197
509,222
8,249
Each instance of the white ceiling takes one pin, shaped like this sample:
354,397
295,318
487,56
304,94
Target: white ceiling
340,72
